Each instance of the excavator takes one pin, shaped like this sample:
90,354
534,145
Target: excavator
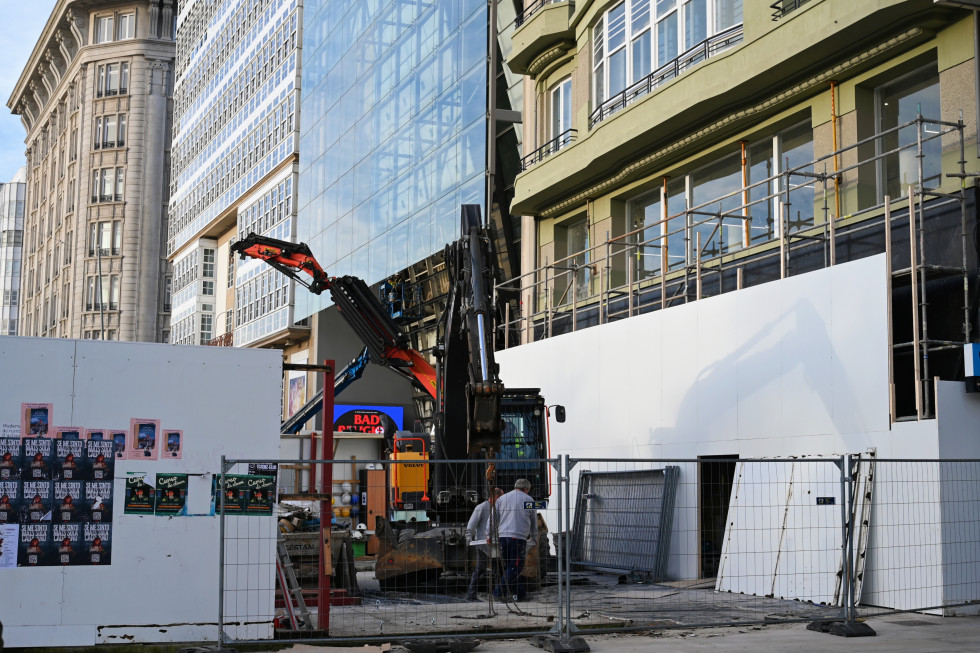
421,540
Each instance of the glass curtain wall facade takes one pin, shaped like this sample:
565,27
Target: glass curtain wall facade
12,197
394,132
235,159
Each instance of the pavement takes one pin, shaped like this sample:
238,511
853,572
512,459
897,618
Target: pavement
894,634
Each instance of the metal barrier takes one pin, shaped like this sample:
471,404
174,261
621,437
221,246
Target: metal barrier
621,545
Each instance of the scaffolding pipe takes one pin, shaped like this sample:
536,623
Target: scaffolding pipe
914,272
833,120
922,273
697,263
663,276
889,278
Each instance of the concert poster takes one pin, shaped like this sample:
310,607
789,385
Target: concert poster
68,433
140,496
66,544
11,459
69,460
98,501
9,502
235,489
68,502
259,499
143,439
35,420
171,494
37,497
97,543
119,439
38,459
34,545
99,461
173,445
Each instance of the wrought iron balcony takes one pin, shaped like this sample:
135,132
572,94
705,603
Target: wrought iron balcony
548,148
703,50
782,7
530,9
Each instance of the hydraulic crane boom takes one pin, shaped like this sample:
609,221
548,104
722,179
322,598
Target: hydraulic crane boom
384,339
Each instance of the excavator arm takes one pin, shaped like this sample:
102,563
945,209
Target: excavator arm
362,310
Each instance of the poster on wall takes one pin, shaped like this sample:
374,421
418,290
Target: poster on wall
99,461
38,459
69,459
259,498
144,439
97,544
8,545
68,433
66,543
9,502
38,497
68,501
95,434
171,494
98,501
34,545
140,494
35,420
173,444
11,459
234,495
119,439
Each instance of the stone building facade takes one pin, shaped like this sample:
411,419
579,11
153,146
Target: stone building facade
95,99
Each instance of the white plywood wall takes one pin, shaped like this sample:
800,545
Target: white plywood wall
162,584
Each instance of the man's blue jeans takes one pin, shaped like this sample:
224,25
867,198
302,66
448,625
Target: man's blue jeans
513,551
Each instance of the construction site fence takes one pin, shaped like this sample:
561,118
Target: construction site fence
627,544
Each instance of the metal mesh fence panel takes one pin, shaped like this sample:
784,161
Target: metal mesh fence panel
411,549
416,550
923,550
714,541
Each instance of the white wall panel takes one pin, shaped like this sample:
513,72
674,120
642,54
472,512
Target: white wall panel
164,570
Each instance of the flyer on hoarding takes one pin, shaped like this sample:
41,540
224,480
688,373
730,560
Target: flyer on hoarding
97,543
171,494
69,460
140,494
11,459
34,545
35,420
8,545
66,543
143,439
99,463
98,501
38,459
173,445
10,493
68,433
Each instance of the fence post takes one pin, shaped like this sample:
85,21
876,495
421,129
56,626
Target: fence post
221,555
559,626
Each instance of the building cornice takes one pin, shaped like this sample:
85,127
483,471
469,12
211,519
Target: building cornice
58,20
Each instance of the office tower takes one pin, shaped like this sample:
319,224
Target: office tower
235,155
12,200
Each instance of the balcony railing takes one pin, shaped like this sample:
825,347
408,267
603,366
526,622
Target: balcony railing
782,7
532,7
703,50
548,148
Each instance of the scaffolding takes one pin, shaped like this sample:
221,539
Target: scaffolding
627,275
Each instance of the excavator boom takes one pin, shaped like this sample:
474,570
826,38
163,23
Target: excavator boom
387,343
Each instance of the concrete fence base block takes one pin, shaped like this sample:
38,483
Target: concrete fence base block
842,628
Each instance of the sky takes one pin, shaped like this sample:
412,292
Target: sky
22,23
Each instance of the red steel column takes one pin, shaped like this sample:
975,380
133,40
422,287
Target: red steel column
326,510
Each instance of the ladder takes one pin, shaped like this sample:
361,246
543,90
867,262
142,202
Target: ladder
292,593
